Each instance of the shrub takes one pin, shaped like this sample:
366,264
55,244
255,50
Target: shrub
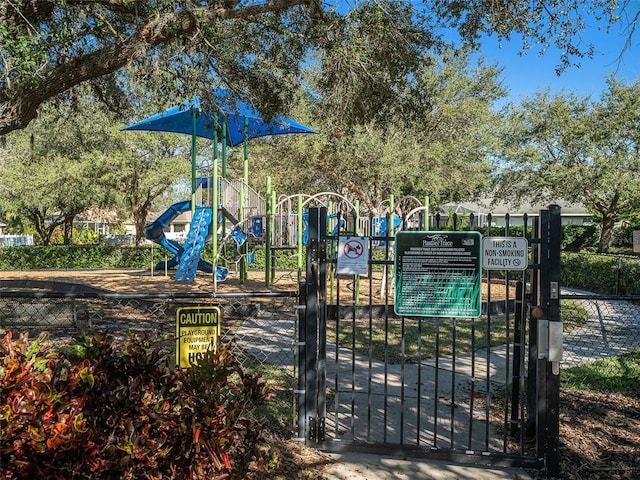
579,237
92,410
612,274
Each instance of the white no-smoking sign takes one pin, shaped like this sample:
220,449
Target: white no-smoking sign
353,255
505,253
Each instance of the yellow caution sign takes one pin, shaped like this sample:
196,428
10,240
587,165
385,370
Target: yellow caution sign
197,330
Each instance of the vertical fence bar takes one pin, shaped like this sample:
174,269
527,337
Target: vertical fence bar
300,393
311,344
436,385
517,348
532,363
552,433
419,391
488,353
452,406
322,321
507,321
386,323
541,367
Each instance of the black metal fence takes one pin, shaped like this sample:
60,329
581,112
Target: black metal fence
449,387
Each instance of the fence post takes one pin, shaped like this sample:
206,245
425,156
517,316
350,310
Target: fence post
549,352
310,340
314,368
301,360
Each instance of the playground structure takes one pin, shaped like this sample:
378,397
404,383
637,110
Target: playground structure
273,223
230,122
225,211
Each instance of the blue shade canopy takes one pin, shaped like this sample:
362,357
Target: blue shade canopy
178,119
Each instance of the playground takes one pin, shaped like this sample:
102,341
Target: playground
231,219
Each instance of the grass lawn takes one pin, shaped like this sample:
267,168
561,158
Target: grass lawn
411,339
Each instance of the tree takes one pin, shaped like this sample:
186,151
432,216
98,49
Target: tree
50,46
74,158
572,148
53,169
143,170
393,118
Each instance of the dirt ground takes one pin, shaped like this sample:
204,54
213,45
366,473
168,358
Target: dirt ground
599,436
145,281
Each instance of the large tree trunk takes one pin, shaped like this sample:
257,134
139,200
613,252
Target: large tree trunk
606,233
140,219
68,229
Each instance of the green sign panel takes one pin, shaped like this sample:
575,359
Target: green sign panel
438,274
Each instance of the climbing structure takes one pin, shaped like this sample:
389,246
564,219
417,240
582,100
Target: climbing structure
195,243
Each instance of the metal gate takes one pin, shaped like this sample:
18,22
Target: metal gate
474,390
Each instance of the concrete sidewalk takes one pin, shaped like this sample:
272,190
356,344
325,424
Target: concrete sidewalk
360,466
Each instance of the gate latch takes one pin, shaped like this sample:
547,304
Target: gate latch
550,340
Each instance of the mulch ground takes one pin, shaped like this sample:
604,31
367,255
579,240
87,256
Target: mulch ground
146,281
599,436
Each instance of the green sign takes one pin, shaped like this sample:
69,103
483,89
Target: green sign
438,274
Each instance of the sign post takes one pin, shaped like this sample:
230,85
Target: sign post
438,274
197,331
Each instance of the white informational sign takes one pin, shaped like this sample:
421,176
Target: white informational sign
353,256
505,253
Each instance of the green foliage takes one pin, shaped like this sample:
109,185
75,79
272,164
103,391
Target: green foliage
613,374
578,237
515,231
112,256
77,256
623,236
575,149
573,314
94,410
601,273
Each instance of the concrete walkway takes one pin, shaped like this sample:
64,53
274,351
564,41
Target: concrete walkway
427,403
358,466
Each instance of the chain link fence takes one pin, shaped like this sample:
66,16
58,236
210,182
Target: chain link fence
602,340
602,333
260,327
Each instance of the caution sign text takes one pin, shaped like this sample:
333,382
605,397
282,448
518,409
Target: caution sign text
197,330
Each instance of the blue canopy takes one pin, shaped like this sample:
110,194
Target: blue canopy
178,119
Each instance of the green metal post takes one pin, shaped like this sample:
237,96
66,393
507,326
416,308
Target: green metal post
267,238
224,147
426,212
193,160
214,219
243,198
214,209
273,266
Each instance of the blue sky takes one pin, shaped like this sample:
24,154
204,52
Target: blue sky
524,75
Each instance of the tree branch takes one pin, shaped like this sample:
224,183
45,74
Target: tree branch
19,104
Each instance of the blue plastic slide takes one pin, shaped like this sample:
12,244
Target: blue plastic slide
155,232
190,258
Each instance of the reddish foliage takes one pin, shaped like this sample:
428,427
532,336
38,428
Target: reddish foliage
91,411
